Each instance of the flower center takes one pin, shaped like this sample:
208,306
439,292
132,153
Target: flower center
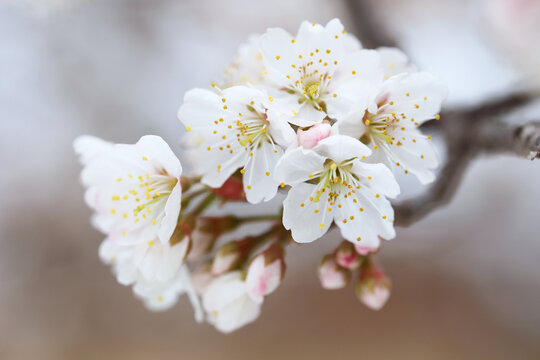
336,179
146,199
252,129
379,125
311,86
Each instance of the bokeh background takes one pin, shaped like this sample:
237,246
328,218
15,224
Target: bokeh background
466,279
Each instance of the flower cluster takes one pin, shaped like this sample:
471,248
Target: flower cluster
313,116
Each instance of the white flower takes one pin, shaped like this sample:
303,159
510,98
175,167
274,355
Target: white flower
240,130
389,125
228,306
247,66
331,183
320,71
134,189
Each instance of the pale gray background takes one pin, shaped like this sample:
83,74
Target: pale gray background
466,279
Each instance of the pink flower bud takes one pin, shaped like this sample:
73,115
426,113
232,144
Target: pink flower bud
331,275
347,257
373,287
265,273
311,137
365,250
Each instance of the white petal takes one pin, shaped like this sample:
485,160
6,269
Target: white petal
307,218
341,147
258,179
239,313
222,291
88,147
297,164
395,62
418,95
156,148
172,211
200,108
378,178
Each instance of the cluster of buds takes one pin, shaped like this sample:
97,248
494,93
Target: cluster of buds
233,285
337,269
315,116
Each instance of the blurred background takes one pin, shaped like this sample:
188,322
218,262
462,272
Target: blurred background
466,280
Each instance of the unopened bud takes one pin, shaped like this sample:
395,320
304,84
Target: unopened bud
365,250
231,255
231,190
347,257
311,137
207,231
265,273
373,287
331,275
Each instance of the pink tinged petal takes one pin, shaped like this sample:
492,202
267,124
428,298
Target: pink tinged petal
341,147
297,165
307,218
331,275
366,250
346,256
372,287
259,181
311,137
376,297
263,279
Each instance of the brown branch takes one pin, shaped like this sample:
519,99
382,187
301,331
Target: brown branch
464,143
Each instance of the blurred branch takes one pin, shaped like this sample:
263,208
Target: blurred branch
366,26
468,132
